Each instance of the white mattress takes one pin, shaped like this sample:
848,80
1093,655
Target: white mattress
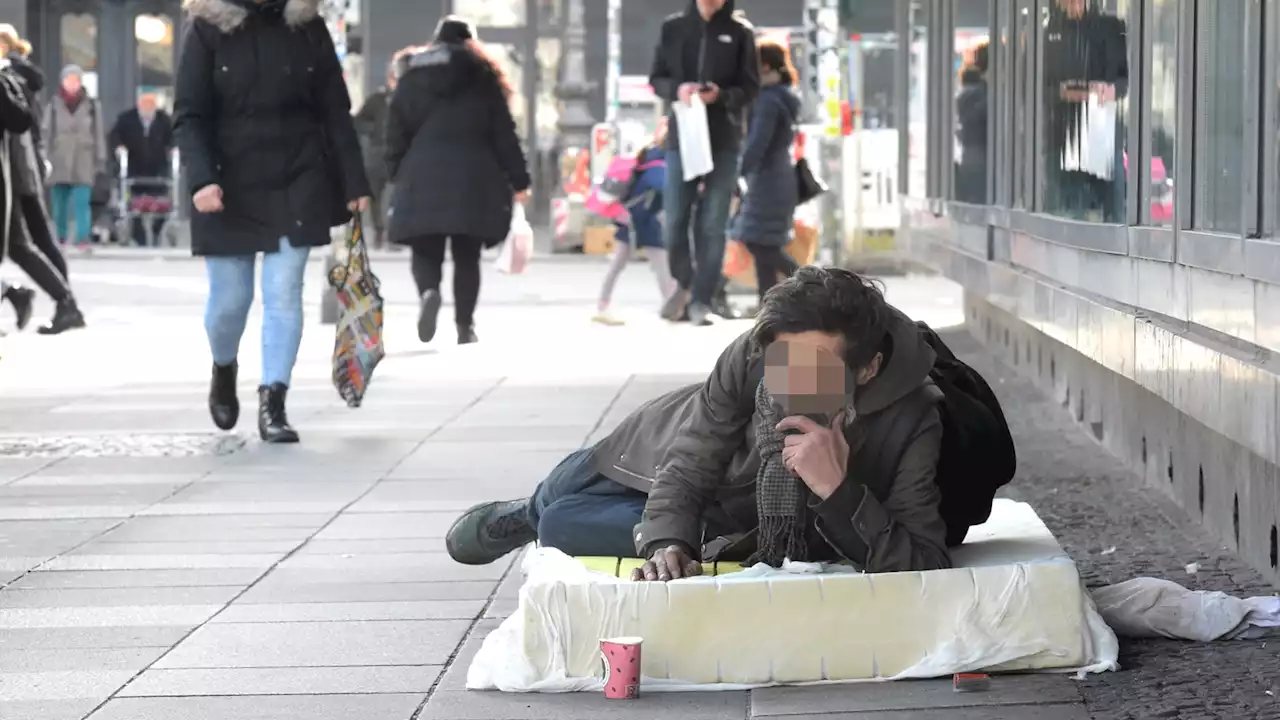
1013,601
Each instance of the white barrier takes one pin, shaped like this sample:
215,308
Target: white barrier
878,184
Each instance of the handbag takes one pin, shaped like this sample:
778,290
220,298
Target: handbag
808,185
358,347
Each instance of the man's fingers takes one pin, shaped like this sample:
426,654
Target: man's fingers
837,423
674,561
650,571
693,568
636,575
798,422
792,441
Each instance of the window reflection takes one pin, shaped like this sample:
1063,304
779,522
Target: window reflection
154,35
973,100
492,13
79,35
1086,71
1219,138
918,106
1164,95
1022,106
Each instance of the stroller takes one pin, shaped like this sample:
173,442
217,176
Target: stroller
149,201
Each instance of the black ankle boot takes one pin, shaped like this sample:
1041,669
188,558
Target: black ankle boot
467,335
22,299
224,406
273,426
65,317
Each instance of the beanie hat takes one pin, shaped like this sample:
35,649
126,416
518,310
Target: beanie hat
453,29
72,69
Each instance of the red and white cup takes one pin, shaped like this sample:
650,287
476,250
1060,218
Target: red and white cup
621,657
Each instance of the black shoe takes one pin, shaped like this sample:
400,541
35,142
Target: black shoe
428,312
65,317
224,406
22,299
488,531
273,425
467,335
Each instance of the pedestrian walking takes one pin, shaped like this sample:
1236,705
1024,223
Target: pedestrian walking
456,166
767,214
708,51
77,148
262,118
643,229
371,124
145,133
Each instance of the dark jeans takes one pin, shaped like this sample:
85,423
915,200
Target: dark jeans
771,261
578,511
35,264
428,270
707,251
40,230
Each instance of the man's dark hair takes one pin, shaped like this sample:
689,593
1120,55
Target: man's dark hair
829,300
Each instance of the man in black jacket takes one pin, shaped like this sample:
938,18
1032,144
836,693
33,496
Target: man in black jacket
708,51
146,134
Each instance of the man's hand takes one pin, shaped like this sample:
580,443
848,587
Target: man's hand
521,197
819,456
208,199
669,563
686,92
359,204
709,93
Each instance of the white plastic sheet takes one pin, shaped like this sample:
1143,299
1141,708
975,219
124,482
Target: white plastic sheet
1149,607
695,138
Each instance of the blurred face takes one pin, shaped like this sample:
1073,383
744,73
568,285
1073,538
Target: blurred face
806,375
1073,8
147,104
707,8
71,83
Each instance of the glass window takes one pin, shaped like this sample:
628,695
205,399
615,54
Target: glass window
918,105
973,100
1085,53
154,35
1164,110
1219,136
79,35
491,13
1023,109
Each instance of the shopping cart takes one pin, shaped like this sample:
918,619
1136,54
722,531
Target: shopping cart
150,201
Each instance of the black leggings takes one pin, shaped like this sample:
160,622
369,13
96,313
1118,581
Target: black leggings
428,271
41,233
771,261
35,264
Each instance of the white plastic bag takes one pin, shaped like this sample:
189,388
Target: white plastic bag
695,138
518,247
1092,148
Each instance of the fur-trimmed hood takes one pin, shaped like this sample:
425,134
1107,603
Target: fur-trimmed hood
228,15
445,69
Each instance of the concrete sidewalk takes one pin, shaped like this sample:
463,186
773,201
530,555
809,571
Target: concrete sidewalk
154,570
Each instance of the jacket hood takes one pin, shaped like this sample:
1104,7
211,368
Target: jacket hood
908,366
445,69
723,13
30,74
228,15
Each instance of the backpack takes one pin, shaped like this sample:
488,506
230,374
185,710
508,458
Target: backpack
608,198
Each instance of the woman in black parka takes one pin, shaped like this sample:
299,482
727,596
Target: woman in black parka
456,165
263,123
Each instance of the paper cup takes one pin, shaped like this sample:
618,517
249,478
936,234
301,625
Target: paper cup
621,657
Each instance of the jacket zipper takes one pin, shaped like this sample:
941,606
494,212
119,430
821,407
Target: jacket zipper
635,475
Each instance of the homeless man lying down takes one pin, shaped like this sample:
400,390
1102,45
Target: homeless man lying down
773,457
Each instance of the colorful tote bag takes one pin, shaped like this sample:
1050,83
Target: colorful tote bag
358,348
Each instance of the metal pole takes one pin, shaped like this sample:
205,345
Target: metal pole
856,61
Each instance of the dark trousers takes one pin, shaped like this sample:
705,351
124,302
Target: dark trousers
697,262
40,231
428,270
379,185
35,264
771,261
578,511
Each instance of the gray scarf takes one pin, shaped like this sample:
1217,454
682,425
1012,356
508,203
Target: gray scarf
781,506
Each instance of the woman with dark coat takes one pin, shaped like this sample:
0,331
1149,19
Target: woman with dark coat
767,213
971,129
263,123
456,166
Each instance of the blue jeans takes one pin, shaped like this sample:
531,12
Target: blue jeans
231,295
578,511
709,229
67,199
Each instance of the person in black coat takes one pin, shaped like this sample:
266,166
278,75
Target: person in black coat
971,129
263,123
767,213
371,125
145,132
456,166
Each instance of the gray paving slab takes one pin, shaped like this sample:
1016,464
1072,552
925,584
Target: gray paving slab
913,695
191,561
318,644
275,589
385,526
523,467
40,495
247,527
47,709
51,478
164,636
999,712
450,495
42,660
61,685
106,617
70,512
410,567
45,580
283,681
351,611
394,546
251,707
107,466
523,437
198,547
15,468
11,598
